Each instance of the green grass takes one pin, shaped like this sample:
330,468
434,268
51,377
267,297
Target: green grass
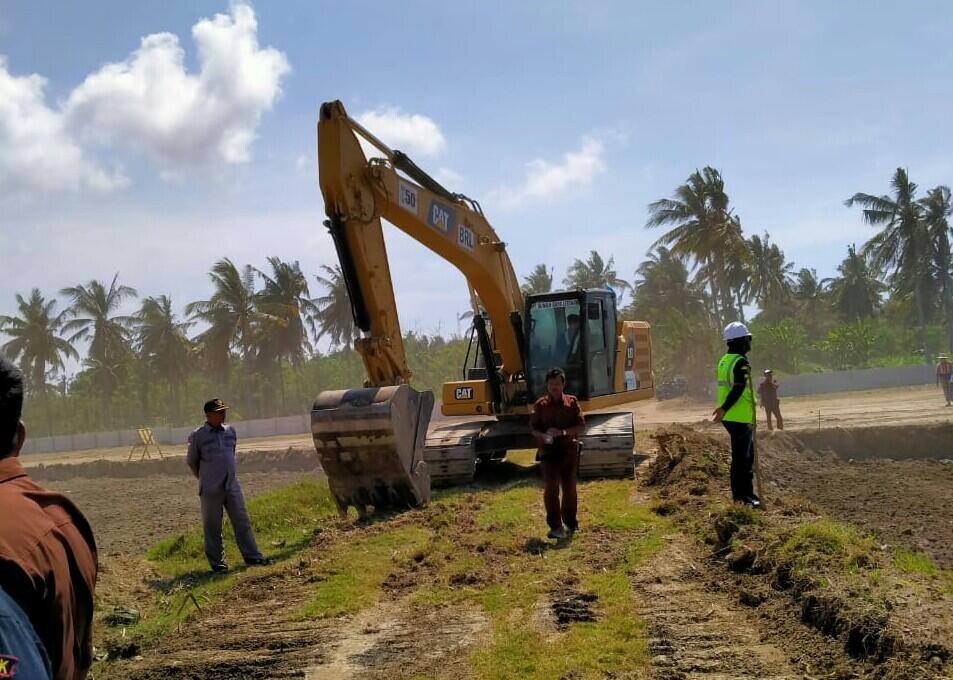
509,509
914,562
351,574
615,641
284,522
827,542
498,543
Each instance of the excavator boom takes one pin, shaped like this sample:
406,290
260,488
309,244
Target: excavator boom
371,440
374,442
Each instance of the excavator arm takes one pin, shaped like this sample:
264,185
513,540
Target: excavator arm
371,440
357,194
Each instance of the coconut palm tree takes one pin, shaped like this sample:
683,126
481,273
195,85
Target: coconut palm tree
937,207
92,314
36,343
769,278
286,303
703,228
163,345
287,312
231,317
857,292
663,282
902,249
335,317
540,280
594,272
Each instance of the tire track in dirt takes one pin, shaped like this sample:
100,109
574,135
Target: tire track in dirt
249,634
695,633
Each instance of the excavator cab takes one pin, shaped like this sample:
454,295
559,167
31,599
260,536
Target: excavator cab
576,331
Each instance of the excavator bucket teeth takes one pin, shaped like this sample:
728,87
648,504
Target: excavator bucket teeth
370,442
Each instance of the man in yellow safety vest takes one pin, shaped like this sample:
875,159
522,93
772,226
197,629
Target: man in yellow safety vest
736,411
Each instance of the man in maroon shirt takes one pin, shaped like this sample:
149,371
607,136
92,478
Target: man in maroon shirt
768,396
557,421
944,371
47,551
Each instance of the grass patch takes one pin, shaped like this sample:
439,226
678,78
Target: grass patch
612,643
914,562
284,521
350,576
509,509
824,542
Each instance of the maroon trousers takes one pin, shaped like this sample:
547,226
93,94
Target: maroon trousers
560,474
773,408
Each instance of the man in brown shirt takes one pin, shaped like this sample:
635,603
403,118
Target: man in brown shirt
556,421
944,372
47,550
768,396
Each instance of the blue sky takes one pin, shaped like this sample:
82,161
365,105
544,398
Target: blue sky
564,119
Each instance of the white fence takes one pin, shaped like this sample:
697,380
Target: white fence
859,379
264,427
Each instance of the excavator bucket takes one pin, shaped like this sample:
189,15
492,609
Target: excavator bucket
371,442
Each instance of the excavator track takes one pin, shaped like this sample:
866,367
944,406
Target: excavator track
451,454
608,446
452,451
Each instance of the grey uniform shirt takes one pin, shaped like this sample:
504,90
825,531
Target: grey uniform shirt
213,452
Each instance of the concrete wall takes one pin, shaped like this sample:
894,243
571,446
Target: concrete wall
167,435
859,379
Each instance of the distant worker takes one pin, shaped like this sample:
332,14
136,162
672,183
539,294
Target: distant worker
47,551
557,421
736,411
944,377
768,396
211,457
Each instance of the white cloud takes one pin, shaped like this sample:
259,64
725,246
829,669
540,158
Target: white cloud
150,101
37,153
414,134
302,163
545,179
450,179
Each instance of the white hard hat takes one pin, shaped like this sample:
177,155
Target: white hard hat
736,330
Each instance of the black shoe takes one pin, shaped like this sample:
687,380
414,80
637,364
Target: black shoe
571,530
753,501
220,569
258,562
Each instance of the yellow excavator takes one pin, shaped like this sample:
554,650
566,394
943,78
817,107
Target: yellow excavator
375,443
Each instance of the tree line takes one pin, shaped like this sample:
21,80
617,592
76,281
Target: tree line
259,329
890,303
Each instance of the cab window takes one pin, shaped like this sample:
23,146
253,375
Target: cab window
555,340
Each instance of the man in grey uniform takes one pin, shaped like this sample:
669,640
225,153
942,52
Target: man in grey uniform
211,458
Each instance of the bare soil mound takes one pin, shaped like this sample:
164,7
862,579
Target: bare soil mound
904,502
820,587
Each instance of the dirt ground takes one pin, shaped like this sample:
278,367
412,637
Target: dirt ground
920,404
903,502
130,515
